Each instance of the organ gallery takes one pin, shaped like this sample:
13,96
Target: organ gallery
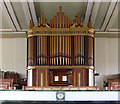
60,52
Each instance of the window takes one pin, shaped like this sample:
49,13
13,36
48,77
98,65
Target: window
64,78
56,78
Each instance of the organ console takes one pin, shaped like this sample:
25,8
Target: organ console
60,52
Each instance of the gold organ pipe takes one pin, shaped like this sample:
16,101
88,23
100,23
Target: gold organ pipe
66,49
60,15
54,50
78,18
57,19
60,50
63,41
63,20
57,49
42,18
63,49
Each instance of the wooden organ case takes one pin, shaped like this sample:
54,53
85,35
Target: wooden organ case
60,53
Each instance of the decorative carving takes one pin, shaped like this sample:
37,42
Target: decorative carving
64,24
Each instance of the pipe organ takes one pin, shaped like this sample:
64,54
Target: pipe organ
60,53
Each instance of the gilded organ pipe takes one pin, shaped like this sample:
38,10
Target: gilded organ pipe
63,20
60,50
66,53
54,50
57,49
63,50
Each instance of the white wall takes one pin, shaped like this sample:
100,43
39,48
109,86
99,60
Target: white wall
8,54
14,55
20,55
0,53
106,58
112,56
100,60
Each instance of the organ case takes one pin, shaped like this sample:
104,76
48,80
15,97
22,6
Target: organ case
60,53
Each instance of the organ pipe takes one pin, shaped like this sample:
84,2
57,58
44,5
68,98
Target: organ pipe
57,49
60,46
63,49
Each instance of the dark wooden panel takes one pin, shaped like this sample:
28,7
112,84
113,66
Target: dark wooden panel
34,77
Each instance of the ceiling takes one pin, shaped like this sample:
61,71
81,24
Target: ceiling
15,16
